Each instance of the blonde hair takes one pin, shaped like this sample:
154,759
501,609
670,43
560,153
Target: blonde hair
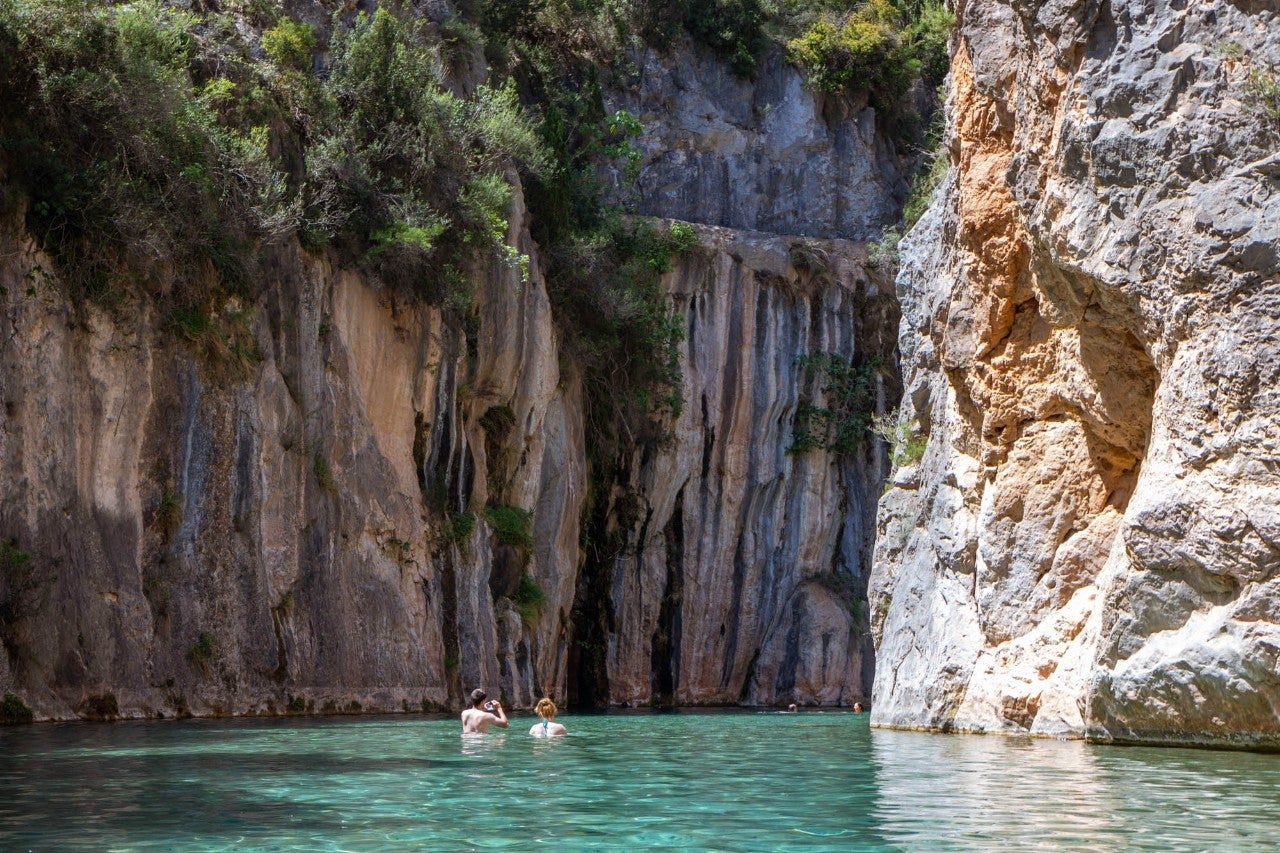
546,709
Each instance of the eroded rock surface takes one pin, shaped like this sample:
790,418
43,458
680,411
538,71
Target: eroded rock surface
1090,343
306,530
768,154
281,539
742,570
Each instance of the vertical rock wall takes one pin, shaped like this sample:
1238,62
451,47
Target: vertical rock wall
281,540
306,529
764,155
1089,341
742,569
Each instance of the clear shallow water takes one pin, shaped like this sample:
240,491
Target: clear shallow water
725,781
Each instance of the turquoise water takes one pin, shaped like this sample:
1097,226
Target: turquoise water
723,781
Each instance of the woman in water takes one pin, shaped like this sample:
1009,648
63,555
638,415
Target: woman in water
548,727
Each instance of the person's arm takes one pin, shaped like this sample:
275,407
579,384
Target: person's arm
500,718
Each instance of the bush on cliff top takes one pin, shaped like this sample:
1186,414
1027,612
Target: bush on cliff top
121,151
410,175
151,147
880,47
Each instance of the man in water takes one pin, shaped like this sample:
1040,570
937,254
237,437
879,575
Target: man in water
481,715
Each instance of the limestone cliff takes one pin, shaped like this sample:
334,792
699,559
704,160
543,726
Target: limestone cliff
306,530
1089,342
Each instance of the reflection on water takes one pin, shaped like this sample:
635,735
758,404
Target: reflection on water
974,792
733,781
981,790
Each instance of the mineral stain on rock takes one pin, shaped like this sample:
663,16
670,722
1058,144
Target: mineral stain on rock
1090,355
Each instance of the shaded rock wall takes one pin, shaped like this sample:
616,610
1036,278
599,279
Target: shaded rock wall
212,535
308,563
742,569
1089,341
213,544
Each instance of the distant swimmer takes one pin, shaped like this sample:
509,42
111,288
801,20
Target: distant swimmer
482,714
548,727
791,709
857,707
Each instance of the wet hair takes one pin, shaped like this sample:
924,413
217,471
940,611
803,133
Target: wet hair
477,697
546,709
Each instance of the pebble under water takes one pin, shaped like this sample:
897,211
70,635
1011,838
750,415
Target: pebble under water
702,781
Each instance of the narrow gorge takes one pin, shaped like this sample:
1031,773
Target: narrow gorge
353,358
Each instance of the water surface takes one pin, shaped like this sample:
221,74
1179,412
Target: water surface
722,781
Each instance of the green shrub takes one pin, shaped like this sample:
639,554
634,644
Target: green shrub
21,588
929,38
924,186
202,652
848,391
168,515
223,340
511,525
880,47
290,44
130,170
864,50
884,251
681,239
734,28
619,328
906,443
410,176
143,138
529,600
324,475
191,324
14,710
498,421
810,257
460,526
296,705
1262,92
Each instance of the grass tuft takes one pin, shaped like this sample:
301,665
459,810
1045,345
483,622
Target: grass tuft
511,525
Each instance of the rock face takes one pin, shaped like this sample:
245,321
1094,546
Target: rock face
305,529
767,154
1090,343
742,567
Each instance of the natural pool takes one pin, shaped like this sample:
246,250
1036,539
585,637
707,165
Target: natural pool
705,781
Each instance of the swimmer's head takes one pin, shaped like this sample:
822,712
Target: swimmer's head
477,697
546,709
792,708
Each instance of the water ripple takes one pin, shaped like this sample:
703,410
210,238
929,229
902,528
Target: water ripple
734,781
